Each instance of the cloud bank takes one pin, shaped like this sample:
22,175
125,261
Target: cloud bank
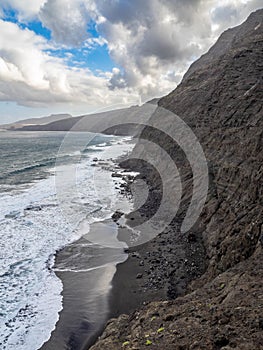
152,43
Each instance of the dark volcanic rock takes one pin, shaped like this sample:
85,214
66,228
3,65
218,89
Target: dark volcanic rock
117,215
220,98
224,314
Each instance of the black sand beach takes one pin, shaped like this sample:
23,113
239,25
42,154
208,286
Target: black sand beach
86,268
100,283
86,271
158,270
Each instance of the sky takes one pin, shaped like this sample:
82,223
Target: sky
83,56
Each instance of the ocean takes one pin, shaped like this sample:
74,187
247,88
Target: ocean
36,221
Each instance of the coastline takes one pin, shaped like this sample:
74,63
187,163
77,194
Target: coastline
86,268
85,291
223,308
79,269
157,270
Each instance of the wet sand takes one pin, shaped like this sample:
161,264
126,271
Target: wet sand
86,271
86,268
100,283
107,282
160,269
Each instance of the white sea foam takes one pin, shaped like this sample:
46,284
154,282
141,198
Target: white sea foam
30,292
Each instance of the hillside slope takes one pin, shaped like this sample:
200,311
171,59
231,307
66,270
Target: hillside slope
220,98
124,121
36,121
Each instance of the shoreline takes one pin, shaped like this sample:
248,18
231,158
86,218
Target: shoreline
145,273
85,291
88,288
157,270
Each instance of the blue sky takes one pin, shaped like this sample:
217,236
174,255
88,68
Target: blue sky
96,58
79,56
11,15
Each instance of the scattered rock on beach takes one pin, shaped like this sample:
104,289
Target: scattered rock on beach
12,215
34,207
116,175
117,215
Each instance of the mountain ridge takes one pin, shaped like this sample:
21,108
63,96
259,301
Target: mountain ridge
36,121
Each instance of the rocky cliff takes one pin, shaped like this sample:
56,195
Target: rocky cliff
220,98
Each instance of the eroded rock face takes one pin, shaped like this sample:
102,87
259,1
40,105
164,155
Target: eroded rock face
225,313
220,98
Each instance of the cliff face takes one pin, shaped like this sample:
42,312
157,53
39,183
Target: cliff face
220,98
224,87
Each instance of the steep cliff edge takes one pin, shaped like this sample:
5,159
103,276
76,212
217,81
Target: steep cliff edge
220,98
222,102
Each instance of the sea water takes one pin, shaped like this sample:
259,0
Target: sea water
34,225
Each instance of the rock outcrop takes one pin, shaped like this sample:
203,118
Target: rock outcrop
220,98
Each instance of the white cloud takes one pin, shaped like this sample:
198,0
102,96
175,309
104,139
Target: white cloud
152,38
153,41
26,9
67,20
231,13
93,42
30,76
